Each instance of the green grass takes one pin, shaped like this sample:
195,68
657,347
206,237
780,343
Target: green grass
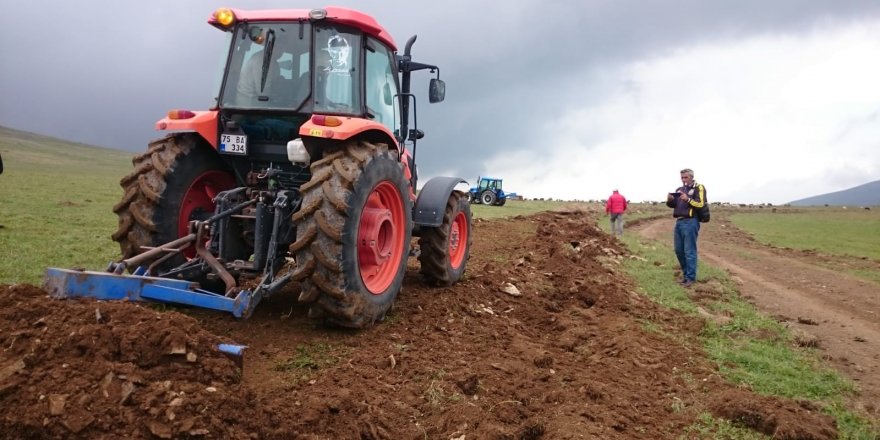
750,348
310,358
773,368
55,205
707,427
835,231
851,236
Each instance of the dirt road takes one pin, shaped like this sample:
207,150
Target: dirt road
810,292
572,352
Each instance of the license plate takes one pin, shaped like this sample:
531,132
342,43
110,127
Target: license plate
233,144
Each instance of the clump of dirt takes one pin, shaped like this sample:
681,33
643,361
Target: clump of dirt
115,370
778,418
545,337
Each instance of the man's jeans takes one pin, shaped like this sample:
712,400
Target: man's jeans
617,224
685,240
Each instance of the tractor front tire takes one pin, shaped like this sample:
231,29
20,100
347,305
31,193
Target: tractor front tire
173,182
501,202
352,234
488,197
446,248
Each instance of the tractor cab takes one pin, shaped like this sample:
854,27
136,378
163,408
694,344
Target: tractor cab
296,78
282,68
489,183
278,73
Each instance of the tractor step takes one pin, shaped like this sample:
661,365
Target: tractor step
66,283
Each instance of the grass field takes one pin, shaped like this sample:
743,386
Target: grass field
55,205
835,231
847,235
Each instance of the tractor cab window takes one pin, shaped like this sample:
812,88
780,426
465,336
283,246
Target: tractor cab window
268,67
381,85
337,71
488,183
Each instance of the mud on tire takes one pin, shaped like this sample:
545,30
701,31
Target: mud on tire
153,193
333,277
446,248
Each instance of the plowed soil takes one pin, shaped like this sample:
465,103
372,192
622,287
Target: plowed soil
544,338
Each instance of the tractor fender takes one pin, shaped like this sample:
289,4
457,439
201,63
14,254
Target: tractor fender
202,122
314,135
349,128
431,204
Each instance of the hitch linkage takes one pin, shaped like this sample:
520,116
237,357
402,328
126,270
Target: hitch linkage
215,258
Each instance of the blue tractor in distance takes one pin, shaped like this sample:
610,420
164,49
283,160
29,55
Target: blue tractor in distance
488,192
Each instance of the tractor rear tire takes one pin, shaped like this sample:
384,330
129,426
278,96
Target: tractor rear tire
488,197
353,234
446,248
172,183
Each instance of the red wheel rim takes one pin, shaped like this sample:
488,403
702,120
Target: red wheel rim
199,197
381,234
458,233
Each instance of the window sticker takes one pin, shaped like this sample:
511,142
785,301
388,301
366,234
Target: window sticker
340,55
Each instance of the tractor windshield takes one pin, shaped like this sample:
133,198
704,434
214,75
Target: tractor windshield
268,66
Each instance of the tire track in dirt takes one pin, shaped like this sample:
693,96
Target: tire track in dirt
841,311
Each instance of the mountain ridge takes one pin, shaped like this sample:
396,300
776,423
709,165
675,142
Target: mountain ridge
867,194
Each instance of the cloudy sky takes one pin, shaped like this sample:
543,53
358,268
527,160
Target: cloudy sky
768,101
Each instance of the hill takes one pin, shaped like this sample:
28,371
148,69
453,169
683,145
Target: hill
56,200
862,195
12,140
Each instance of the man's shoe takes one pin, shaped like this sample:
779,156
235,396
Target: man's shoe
687,284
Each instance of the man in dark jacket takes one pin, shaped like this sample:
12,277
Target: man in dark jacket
615,207
685,202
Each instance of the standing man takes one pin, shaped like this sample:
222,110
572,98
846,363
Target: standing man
615,207
685,202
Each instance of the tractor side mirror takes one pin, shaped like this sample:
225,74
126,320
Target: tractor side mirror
436,90
255,33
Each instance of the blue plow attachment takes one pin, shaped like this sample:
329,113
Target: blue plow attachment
65,283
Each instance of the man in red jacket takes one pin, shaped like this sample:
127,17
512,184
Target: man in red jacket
615,207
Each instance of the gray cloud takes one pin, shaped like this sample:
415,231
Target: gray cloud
102,72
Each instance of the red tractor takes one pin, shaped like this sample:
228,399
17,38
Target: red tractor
303,170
